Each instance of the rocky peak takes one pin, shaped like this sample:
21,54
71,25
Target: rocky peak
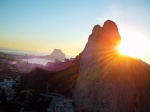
108,82
110,31
106,37
57,51
96,29
109,25
58,54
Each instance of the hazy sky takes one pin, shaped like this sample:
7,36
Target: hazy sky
42,25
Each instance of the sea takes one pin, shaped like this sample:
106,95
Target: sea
37,61
31,60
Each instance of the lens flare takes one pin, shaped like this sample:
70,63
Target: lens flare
134,44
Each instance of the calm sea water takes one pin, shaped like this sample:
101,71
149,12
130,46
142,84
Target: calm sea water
37,61
12,51
31,60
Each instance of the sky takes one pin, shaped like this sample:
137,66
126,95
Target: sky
43,25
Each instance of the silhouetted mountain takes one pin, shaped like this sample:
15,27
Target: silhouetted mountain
55,55
109,82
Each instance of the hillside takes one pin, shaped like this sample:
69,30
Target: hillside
62,82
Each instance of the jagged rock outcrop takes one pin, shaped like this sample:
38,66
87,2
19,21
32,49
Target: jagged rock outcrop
109,82
57,54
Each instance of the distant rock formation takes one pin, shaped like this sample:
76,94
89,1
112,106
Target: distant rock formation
107,81
55,55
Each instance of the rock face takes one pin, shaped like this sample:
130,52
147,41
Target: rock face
107,81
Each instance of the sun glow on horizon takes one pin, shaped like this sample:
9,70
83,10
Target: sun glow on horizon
134,44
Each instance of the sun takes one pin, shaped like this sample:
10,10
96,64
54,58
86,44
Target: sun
134,44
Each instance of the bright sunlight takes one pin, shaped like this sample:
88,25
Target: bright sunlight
134,44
